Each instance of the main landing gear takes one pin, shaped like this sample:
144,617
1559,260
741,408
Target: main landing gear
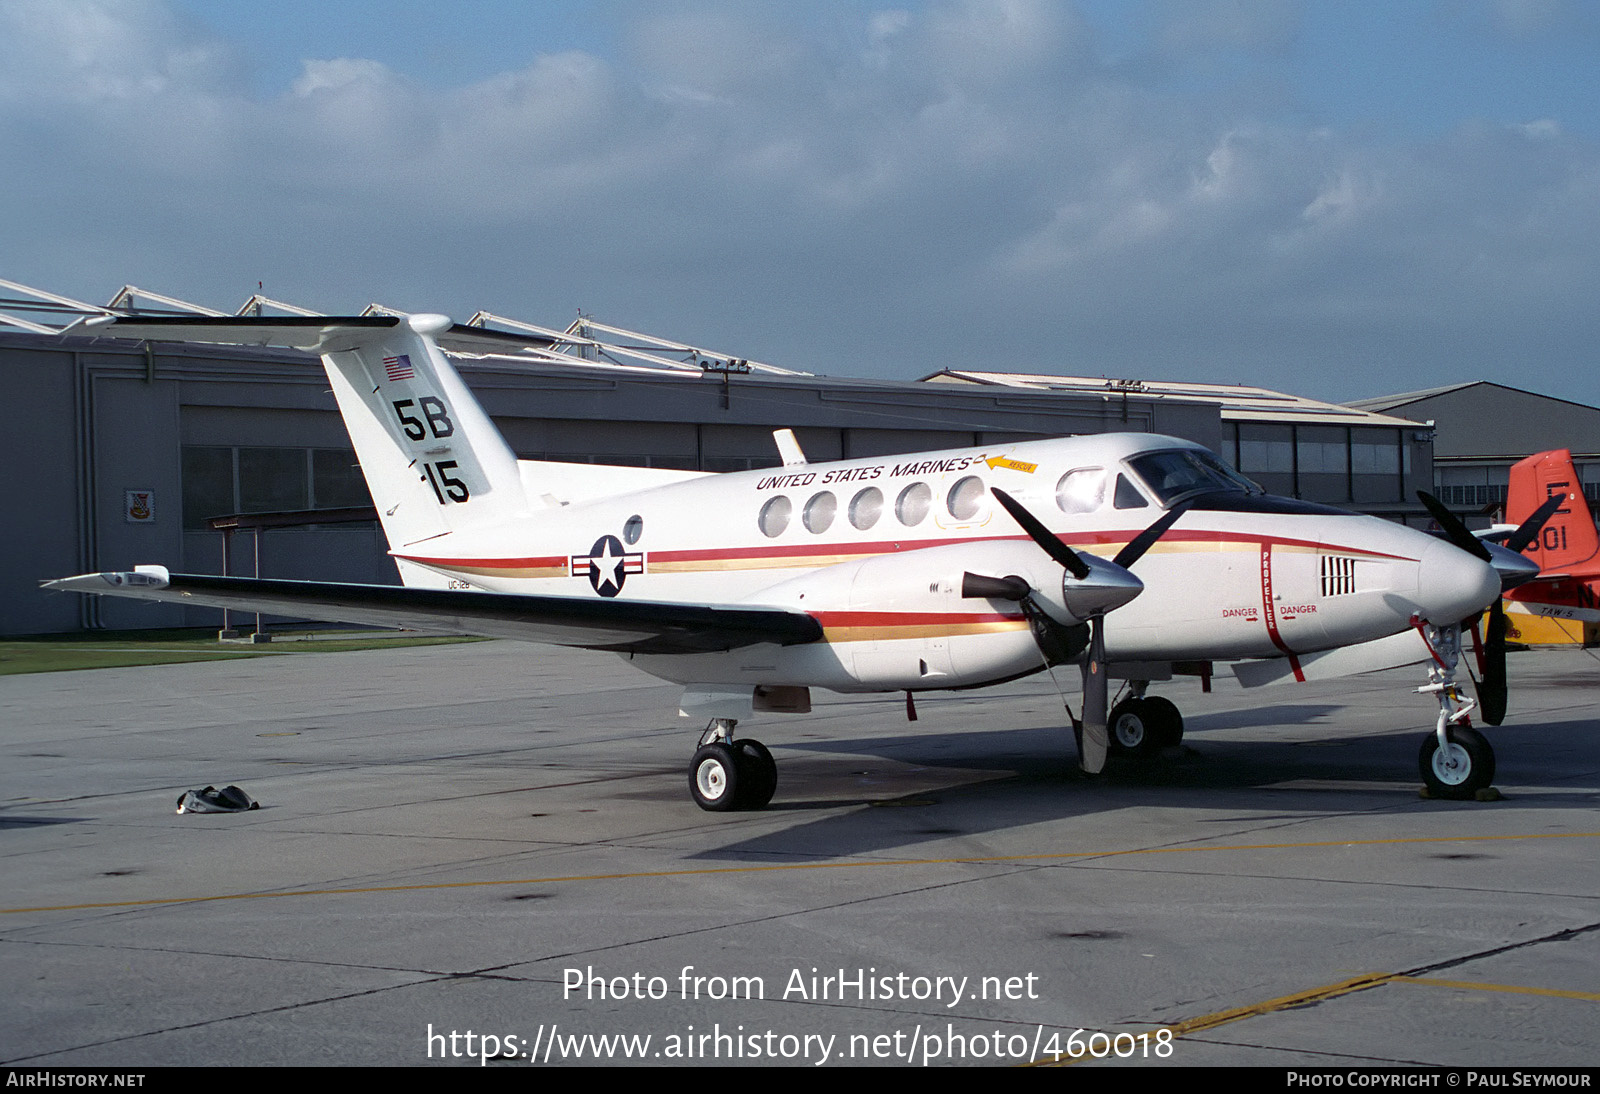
1455,760
1142,725
728,774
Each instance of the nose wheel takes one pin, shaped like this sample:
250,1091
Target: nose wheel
1459,768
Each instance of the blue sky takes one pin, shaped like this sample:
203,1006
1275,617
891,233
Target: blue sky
1340,199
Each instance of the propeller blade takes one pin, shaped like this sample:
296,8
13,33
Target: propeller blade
1093,741
983,587
1066,556
1454,530
1528,529
1111,587
1492,689
1142,542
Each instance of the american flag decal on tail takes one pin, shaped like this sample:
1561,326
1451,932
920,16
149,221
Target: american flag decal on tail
398,368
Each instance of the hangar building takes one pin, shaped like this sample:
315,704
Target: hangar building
124,451
1482,428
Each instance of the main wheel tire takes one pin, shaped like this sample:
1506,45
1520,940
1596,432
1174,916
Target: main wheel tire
1134,728
1460,769
714,778
758,773
1168,720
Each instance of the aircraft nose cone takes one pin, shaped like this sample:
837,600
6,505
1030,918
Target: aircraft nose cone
1452,585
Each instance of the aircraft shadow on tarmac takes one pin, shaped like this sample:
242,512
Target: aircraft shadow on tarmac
35,822
1034,778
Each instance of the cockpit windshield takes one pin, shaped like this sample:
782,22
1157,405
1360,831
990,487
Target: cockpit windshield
1183,472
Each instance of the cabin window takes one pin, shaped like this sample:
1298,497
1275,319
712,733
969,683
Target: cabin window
866,507
820,511
912,506
632,530
775,515
1081,490
965,498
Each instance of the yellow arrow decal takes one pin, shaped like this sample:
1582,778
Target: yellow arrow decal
1014,465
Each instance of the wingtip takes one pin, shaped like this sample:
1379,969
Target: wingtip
140,577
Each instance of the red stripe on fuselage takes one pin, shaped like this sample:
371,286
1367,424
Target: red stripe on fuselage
879,619
490,563
1113,539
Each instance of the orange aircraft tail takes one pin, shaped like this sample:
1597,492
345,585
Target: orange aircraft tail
1568,543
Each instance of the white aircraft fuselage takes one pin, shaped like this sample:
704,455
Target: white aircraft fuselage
1268,577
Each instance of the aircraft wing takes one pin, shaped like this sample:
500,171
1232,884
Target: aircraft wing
622,626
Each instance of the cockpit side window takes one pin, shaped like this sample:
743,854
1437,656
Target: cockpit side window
1127,495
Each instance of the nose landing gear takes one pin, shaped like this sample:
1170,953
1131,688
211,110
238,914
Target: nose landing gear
1456,761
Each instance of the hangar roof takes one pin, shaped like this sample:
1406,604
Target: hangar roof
1481,418
1240,402
588,344
584,343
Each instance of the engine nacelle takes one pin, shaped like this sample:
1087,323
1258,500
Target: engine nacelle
902,620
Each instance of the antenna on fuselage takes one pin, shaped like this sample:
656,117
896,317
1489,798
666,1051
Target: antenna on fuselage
788,448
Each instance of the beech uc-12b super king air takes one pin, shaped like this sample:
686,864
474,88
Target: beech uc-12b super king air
1132,555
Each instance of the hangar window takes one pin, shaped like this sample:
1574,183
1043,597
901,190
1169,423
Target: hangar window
965,498
866,507
775,516
820,511
272,480
219,480
913,504
208,487
1375,459
1081,490
336,480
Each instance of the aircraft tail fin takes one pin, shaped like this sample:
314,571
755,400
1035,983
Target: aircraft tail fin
1568,539
433,460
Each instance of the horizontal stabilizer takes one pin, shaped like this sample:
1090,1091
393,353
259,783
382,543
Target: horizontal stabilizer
621,626
312,333
1405,648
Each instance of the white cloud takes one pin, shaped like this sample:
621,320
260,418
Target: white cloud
98,51
341,75
1544,129
741,176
